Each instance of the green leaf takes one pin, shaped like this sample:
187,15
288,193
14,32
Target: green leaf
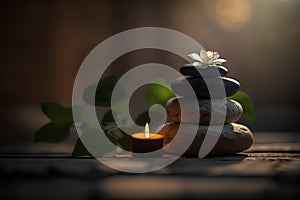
52,110
79,149
95,138
246,102
60,116
123,140
87,125
108,117
103,91
158,94
108,126
52,133
79,112
142,119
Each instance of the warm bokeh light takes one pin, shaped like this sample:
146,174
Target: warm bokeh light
233,14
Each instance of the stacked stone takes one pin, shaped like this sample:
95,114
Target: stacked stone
234,137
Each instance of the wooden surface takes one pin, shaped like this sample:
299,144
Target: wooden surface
269,170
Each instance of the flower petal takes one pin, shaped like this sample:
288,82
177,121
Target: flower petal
203,56
200,65
195,57
197,64
220,60
216,55
210,60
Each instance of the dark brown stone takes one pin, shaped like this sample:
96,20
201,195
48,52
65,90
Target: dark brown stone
199,86
208,71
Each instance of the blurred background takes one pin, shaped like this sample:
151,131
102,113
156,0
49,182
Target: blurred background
43,44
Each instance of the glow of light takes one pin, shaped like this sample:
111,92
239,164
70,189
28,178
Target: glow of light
233,14
147,131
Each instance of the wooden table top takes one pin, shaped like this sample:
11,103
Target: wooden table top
270,169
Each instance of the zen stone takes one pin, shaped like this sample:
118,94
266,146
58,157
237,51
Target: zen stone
187,86
200,112
234,138
209,71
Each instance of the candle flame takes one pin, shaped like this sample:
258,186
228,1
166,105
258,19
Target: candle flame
147,131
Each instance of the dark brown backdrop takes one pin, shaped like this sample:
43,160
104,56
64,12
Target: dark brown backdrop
44,42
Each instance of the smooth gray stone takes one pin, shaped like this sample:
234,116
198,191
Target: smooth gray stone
209,71
181,87
225,111
234,138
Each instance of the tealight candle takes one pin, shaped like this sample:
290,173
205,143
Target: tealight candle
147,142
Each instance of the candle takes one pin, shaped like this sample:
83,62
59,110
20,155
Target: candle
147,142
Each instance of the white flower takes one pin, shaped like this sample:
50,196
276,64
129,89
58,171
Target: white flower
205,58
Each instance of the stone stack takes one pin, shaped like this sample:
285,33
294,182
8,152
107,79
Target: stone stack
234,137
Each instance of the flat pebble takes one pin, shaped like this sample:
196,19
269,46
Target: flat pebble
197,85
234,138
200,111
208,71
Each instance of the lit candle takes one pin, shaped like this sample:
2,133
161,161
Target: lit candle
147,142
